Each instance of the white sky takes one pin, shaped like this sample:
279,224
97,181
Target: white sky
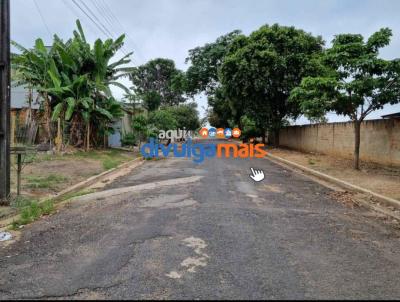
169,28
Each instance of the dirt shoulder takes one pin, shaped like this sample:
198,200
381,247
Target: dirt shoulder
46,174
380,179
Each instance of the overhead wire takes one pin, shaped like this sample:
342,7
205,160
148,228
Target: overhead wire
42,17
103,11
77,14
107,11
90,18
96,18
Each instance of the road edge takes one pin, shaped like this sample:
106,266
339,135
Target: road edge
7,220
343,184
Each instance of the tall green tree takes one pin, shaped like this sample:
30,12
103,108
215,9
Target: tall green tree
203,77
205,61
158,82
356,82
259,72
186,116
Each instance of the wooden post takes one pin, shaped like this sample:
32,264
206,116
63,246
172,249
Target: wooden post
12,137
59,138
4,101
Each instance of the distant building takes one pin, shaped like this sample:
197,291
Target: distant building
24,127
392,115
123,126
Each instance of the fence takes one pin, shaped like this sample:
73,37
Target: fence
380,140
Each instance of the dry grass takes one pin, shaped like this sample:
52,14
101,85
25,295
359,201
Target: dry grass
48,174
377,178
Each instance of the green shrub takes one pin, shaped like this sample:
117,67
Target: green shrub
128,140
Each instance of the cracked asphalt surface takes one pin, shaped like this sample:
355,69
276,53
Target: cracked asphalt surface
224,237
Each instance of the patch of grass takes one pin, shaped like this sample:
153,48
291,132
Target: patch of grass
39,182
21,201
32,212
110,163
311,162
110,158
47,207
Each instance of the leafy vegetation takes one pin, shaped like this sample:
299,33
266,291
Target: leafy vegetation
158,83
262,81
32,212
355,83
259,72
73,79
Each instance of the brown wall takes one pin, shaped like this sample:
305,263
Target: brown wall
380,140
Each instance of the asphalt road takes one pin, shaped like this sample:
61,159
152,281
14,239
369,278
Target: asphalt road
221,236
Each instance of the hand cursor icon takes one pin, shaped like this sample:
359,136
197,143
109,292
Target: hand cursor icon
257,175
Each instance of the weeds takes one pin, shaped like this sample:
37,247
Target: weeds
38,182
21,201
32,212
110,163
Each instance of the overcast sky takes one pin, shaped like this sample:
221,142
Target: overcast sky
169,28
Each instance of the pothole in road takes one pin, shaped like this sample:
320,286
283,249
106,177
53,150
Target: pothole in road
170,201
191,264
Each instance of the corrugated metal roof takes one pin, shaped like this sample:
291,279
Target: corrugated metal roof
393,115
19,98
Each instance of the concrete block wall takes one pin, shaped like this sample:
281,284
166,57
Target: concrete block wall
380,140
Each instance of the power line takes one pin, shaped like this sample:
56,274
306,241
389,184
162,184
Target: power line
104,11
42,17
109,12
76,13
101,27
97,19
91,19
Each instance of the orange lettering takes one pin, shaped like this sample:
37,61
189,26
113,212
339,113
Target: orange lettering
260,151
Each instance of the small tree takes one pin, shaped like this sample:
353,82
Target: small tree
139,124
356,82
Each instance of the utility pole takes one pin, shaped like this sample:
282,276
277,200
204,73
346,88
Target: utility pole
4,101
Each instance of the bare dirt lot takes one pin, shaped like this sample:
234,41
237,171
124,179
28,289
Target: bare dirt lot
47,174
377,178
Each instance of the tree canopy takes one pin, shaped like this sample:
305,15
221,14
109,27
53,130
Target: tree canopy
159,83
356,81
74,80
260,70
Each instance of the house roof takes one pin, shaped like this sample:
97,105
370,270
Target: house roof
392,115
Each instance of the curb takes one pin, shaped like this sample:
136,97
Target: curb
90,181
6,220
341,183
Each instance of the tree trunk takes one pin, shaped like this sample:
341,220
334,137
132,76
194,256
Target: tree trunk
275,137
88,137
263,136
47,116
357,138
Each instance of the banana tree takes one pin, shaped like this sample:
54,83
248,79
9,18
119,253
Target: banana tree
74,79
32,66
